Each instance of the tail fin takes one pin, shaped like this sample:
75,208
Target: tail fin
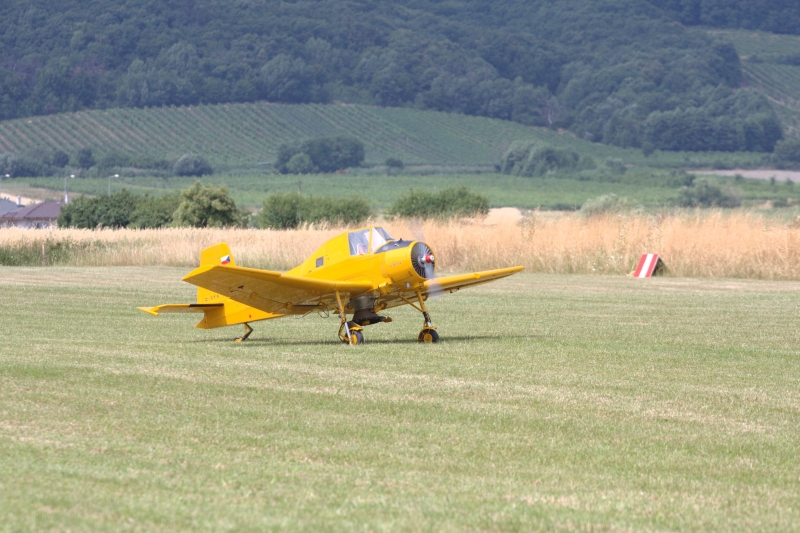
219,254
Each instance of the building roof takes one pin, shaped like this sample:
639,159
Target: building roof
42,211
7,206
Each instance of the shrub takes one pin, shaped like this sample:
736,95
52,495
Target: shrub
59,159
327,154
207,206
192,165
300,163
155,211
113,211
280,211
788,150
705,193
352,210
286,211
17,166
114,159
606,204
526,158
394,163
84,158
447,203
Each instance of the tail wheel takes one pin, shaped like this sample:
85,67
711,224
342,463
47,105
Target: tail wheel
428,335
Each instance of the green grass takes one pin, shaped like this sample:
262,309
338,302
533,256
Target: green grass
243,135
650,187
552,403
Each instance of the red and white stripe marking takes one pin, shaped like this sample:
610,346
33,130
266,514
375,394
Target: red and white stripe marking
647,264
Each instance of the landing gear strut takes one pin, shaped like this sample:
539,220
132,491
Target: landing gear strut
349,332
247,331
428,333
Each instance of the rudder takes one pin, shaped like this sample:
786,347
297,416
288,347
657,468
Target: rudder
219,254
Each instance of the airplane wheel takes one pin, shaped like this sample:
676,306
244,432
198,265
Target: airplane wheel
428,335
356,337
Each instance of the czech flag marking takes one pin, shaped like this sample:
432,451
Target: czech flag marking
225,259
649,264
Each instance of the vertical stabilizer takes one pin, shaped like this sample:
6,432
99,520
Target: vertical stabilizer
219,254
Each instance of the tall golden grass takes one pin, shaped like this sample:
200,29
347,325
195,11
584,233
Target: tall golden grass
699,244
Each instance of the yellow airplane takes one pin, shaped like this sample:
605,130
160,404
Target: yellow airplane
361,272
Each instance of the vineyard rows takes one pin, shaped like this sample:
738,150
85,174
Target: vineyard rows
246,134
781,84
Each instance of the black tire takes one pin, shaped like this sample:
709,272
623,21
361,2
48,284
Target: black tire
356,337
428,335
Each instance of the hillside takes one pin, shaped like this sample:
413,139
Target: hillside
244,135
619,72
771,65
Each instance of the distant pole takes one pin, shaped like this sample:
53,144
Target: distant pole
66,197
109,183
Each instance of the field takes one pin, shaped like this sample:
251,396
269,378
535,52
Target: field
693,243
566,403
243,135
646,186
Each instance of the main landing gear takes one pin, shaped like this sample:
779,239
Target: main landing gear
428,333
349,332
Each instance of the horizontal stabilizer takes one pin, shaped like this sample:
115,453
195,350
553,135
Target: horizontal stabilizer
179,308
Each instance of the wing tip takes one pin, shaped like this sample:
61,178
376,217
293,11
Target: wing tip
148,310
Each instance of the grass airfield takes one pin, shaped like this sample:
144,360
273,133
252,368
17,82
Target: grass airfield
552,403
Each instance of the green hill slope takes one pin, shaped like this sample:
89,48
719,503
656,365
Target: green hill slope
771,65
238,135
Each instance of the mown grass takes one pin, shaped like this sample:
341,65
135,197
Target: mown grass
552,403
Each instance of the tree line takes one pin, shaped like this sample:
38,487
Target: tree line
602,69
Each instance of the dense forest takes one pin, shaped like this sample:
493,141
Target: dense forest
778,16
625,72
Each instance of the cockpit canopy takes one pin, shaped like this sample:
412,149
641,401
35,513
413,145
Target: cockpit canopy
370,240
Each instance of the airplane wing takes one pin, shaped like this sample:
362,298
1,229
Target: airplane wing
273,292
460,281
179,308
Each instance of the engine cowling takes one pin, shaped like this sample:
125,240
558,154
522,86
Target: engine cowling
411,264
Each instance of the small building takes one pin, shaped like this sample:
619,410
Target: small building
41,215
7,205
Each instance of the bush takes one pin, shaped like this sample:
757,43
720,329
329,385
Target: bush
59,159
17,166
207,206
394,163
526,158
192,165
705,193
788,150
281,211
84,158
327,154
606,204
155,211
287,211
113,211
300,163
114,159
447,203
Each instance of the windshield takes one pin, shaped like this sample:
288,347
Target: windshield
359,240
379,238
